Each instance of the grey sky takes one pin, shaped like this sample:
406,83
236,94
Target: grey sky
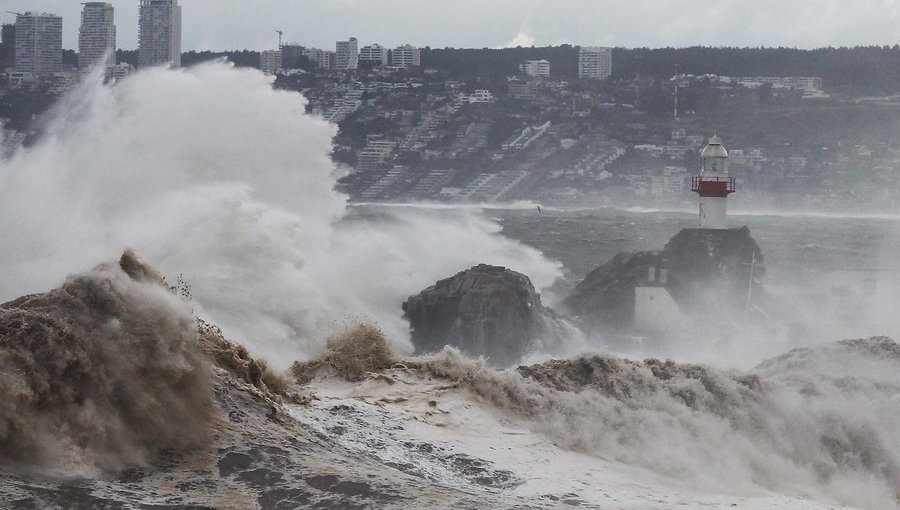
232,24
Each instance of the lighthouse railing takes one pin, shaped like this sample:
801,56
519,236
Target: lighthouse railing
701,182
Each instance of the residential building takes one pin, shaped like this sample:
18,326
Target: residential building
38,43
290,55
594,62
346,54
160,33
523,90
122,70
536,68
481,96
97,36
406,56
323,59
7,46
270,61
374,53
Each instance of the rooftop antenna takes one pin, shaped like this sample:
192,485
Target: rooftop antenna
280,35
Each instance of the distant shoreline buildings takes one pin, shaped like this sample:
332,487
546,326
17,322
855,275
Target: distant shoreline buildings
160,33
97,36
38,43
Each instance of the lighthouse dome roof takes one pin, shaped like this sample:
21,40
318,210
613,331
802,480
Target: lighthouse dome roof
714,149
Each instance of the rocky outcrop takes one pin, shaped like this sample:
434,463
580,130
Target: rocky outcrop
711,269
702,269
485,311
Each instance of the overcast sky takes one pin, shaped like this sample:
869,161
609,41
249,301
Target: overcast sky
233,24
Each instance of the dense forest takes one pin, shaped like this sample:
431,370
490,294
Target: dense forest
241,58
865,68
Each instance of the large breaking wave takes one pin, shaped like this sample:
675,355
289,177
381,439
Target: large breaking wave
101,373
210,173
815,422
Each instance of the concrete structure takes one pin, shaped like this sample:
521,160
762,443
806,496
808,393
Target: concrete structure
481,96
536,68
160,33
374,53
120,71
38,43
713,185
7,46
290,55
594,62
406,56
654,308
323,59
97,36
346,54
270,61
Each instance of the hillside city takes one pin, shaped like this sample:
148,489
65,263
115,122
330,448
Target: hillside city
568,125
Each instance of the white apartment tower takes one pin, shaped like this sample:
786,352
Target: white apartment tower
38,43
406,56
270,61
594,62
160,33
374,53
536,68
97,36
347,54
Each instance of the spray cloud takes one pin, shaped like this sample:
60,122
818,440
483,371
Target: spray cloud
210,173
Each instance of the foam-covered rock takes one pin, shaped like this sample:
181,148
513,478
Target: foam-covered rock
704,270
488,311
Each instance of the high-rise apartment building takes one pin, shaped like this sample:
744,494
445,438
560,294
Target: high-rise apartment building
323,59
536,68
38,43
97,36
374,53
7,46
160,33
594,62
347,54
290,55
405,56
270,61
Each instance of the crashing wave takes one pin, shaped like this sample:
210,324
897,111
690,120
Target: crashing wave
792,425
101,373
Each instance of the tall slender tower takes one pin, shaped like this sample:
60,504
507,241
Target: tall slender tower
38,43
713,185
160,33
97,37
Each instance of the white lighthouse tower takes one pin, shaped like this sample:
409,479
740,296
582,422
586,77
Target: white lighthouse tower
713,185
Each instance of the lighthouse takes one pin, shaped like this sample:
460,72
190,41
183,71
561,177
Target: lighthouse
713,185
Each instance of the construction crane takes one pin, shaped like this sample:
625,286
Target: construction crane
16,13
280,35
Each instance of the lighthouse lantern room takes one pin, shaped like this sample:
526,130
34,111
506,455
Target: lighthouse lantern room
713,185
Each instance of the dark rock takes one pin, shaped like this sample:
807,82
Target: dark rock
485,311
703,269
710,269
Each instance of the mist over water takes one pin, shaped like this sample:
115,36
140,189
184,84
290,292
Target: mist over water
211,174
